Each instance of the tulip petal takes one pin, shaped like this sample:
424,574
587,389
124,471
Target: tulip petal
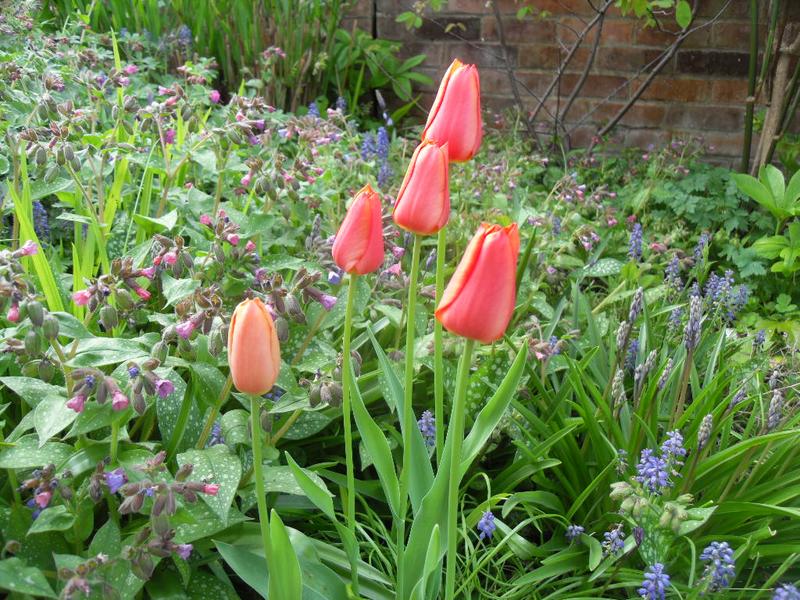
253,348
358,247
423,202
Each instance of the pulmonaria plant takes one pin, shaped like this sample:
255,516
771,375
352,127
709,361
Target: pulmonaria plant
44,485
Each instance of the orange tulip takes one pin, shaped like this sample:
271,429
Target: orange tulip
358,246
423,202
254,353
455,118
479,300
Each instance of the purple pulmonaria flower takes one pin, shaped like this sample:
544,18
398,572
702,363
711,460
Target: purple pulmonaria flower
655,584
327,301
721,568
130,69
635,243
185,329
115,479
133,372
216,435
89,381
486,525
427,427
77,403
652,472
184,550
119,401
786,592
614,540
334,277
574,532
164,387
214,96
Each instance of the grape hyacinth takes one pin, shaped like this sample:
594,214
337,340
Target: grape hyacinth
672,274
636,305
786,592
635,243
653,472
691,335
614,540
216,436
702,242
721,568
738,398
486,525
759,339
672,449
631,356
775,409
655,584
674,321
427,427
662,381
574,532
704,433
41,224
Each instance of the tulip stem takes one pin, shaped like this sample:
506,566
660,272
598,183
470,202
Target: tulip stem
346,387
407,415
438,358
456,430
258,471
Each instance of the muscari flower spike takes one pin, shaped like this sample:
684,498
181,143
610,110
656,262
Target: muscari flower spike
721,567
655,584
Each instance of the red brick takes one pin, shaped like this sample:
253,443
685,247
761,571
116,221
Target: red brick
483,55
678,90
644,114
480,6
710,8
704,118
564,7
616,32
729,91
650,36
725,144
361,8
642,138
531,82
537,56
626,60
527,31
597,86
734,35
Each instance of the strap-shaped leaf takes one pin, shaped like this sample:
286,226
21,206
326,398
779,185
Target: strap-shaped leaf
320,496
286,580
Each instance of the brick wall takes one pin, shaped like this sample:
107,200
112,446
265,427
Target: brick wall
701,90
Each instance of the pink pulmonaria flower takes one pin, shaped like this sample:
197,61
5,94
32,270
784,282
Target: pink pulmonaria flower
149,272
170,258
259,124
142,293
395,269
184,550
43,498
77,403
185,329
398,252
13,313
245,181
214,96
81,297
131,70
169,136
233,239
164,91
164,387
206,220
631,219
29,248
658,247
250,246
211,489
119,401
240,116
612,221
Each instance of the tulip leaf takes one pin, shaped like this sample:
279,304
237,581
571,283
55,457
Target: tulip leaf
286,581
316,492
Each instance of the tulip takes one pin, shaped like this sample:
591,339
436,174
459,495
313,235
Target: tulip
254,353
479,300
423,202
455,118
358,246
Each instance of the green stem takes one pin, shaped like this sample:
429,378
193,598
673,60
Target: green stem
408,410
114,440
438,358
456,430
258,471
744,167
347,383
212,416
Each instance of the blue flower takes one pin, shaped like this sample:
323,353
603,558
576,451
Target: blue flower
115,479
786,592
216,435
672,274
427,428
721,568
573,532
655,584
672,449
702,242
614,540
313,109
133,372
41,223
556,225
653,472
760,338
368,148
486,525
341,104
633,353
635,243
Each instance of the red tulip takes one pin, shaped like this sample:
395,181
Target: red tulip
455,118
479,300
423,202
254,353
358,247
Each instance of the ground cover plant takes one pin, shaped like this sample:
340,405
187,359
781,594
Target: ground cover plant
226,374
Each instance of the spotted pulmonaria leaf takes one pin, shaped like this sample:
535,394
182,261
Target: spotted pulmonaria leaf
50,416
27,454
219,465
16,577
55,518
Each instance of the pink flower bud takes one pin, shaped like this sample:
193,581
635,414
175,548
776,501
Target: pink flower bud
250,246
29,248
170,258
185,329
205,220
398,252
81,297
13,313
76,403
214,96
119,401
233,239
42,499
131,70
245,181
142,293
149,272
240,116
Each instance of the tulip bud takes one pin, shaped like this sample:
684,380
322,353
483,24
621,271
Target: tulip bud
455,118
358,246
479,299
253,348
423,202
35,312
